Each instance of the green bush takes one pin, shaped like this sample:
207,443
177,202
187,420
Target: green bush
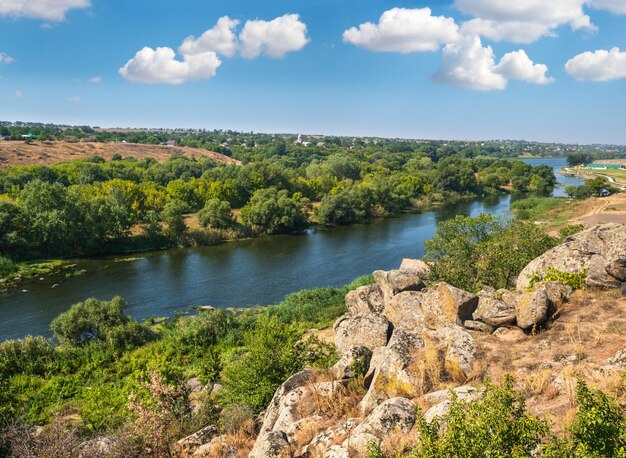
30,355
7,267
217,214
571,230
574,279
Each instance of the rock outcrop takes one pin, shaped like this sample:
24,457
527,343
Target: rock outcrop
599,251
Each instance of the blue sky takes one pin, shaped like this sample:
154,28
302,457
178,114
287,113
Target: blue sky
454,71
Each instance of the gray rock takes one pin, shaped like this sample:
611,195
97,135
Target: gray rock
444,305
601,251
272,445
324,440
478,326
337,451
531,309
493,310
102,447
217,447
558,293
397,281
404,311
457,347
442,400
619,359
188,445
368,331
356,359
364,300
294,382
416,266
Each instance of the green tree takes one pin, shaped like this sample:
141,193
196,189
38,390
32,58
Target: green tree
216,213
174,216
270,211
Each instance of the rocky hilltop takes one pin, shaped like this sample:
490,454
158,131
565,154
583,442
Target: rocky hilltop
407,343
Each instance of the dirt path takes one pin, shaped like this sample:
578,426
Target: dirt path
610,209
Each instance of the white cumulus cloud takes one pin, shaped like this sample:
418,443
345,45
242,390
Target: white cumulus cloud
614,6
469,64
273,38
523,21
47,10
161,66
221,39
600,65
6,59
404,30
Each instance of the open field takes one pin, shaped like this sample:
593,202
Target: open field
14,153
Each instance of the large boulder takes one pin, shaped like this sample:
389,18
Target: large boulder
364,300
492,308
445,305
404,311
416,266
323,441
354,362
272,445
188,445
600,251
531,309
369,331
397,281
558,293
217,447
389,376
457,348
294,382
396,413
440,401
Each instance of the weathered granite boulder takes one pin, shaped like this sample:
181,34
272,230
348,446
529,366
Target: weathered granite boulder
272,445
324,440
478,326
558,293
217,447
600,251
619,359
416,266
388,376
370,331
186,446
404,310
294,382
441,401
457,348
397,281
364,300
531,309
337,451
493,310
354,360
444,305
102,446
396,413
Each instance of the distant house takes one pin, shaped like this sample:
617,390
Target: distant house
171,143
595,166
29,136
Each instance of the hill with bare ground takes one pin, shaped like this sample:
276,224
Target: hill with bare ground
13,153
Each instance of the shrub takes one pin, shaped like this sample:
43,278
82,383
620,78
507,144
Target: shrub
7,267
576,279
30,355
98,321
217,214
571,230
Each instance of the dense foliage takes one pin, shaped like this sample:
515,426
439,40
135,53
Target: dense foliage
471,253
93,206
596,187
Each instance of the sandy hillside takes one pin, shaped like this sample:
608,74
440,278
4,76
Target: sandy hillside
20,153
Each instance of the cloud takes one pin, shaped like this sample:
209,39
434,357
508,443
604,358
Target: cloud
6,59
96,80
523,21
273,38
469,64
47,10
600,65
404,30
161,66
220,39
614,6
18,95
74,99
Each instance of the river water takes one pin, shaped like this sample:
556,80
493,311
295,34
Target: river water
238,274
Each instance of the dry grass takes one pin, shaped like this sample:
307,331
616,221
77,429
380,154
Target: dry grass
342,403
19,153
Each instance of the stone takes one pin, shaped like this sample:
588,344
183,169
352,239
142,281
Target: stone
397,281
416,266
364,300
337,451
272,445
368,331
442,400
509,334
294,382
492,310
531,309
444,305
323,441
457,347
356,359
388,376
623,289
478,326
558,293
404,311
186,446
102,446
600,251
619,359
217,447
394,413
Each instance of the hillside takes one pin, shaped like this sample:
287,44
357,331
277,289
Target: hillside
14,153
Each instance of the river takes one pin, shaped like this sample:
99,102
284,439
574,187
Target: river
238,274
